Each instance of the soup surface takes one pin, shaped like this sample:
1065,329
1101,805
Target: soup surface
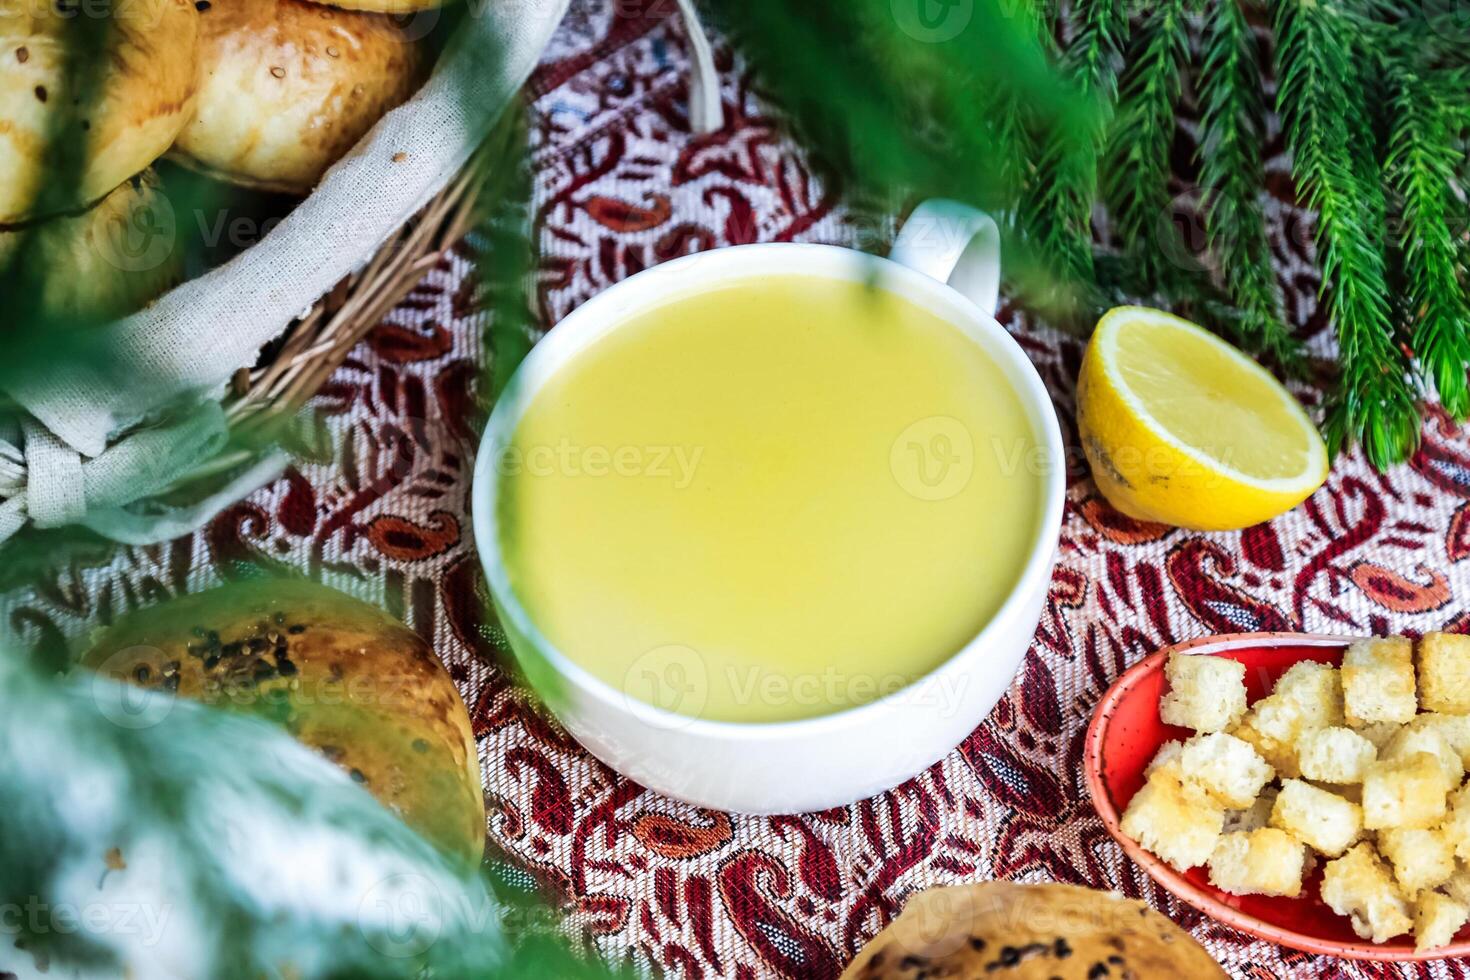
770,500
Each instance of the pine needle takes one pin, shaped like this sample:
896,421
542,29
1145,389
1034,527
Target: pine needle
893,115
1421,168
1056,205
505,262
1318,95
1056,210
891,109
1137,181
1097,49
1232,175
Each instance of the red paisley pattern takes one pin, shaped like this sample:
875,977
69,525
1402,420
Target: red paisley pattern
671,837
622,185
1457,538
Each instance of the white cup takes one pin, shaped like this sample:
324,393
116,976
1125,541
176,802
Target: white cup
946,260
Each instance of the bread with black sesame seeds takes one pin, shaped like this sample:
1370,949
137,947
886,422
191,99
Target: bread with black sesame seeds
340,675
1030,932
143,91
287,87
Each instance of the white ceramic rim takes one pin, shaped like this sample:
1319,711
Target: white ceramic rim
612,308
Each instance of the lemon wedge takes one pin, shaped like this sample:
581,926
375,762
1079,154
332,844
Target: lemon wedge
1182,428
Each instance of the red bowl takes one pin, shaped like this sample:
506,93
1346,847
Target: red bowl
1125,733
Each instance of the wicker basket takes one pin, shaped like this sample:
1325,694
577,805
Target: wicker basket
149,477
314,345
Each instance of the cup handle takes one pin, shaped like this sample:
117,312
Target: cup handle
956,244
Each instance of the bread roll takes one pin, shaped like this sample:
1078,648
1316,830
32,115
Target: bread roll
287,87
401,7
1030,932
145,88
110,260
338,674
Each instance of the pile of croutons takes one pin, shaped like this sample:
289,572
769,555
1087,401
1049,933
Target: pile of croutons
1334,764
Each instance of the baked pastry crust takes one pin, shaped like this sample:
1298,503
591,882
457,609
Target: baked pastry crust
144,95
287,87
108,261
1030,932
387,6
340,675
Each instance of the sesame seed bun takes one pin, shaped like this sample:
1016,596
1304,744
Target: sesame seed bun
144,93
1030,932
340,675
287,87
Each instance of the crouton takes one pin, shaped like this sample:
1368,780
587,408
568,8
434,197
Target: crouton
1359,886
1436,920
1378,681
1455,729
1352,792
1324,821
1411,740
1456,826
1407,792
1253,817
1458,885
1444,673
1177,822
1334,755
1168,754
1227,768
1272,727
1420,858
1380,733
1335,766
1259,862
1316,691
1205,693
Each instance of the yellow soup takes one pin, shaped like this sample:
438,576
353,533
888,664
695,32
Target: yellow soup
770,500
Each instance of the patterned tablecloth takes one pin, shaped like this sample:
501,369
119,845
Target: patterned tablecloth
621,185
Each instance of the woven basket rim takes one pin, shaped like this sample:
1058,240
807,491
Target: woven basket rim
316,343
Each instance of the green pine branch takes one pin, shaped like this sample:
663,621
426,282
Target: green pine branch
1056,209
1232,121
894,109
998,131
267,862
1055,205
1435,29
1421,166
505,264
1012,126
1097,49
1318,97
1136,184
